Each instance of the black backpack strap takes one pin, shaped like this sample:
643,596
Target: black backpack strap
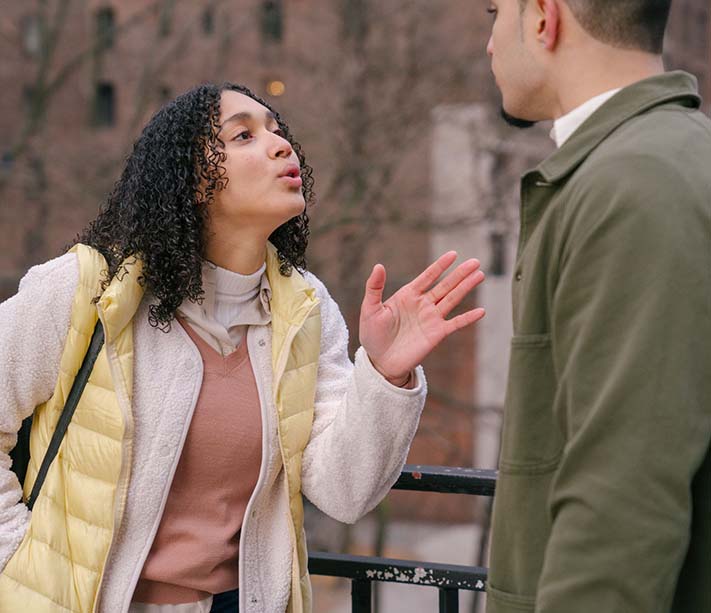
97,341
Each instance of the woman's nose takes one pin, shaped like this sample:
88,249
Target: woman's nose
282,148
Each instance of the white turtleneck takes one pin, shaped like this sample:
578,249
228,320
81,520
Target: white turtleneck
231,303
565,126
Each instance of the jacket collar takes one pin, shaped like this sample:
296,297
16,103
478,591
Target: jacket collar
678,86
119,301
121,298
291,297
292,301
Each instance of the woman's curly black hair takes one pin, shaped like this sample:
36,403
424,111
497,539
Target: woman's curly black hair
158,212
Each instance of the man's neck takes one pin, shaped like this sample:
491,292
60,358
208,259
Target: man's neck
564,127
598,78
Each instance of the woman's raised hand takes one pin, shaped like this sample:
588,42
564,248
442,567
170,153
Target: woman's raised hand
397,334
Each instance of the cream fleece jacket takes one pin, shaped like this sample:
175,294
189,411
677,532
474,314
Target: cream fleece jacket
362,430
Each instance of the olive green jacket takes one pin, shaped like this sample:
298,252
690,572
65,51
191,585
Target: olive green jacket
603,503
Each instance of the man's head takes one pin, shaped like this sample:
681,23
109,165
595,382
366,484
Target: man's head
626,24
543,49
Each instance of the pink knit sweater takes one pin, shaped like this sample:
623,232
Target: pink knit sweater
196,548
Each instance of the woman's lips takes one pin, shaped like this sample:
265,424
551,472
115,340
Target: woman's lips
292,181
292,175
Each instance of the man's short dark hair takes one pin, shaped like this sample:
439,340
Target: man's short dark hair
628,24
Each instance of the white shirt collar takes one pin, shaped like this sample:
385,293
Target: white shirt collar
564,127
232,287
224,285
230,303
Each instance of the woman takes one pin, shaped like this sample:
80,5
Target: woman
224,388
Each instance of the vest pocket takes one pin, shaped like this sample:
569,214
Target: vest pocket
531,439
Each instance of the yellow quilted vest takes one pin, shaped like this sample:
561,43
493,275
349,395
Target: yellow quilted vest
296,343
59,564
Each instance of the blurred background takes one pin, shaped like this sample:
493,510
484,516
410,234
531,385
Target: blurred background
395,107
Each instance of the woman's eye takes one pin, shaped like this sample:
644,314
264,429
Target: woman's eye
242,135
492,11
280,132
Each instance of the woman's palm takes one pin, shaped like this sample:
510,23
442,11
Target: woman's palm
399,333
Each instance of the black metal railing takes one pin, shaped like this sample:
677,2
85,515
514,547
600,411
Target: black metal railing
449,579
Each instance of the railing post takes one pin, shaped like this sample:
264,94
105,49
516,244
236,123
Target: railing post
361,597
448,600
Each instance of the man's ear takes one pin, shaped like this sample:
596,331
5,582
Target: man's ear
548,23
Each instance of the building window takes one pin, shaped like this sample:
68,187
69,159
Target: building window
28,96
104,105
497,258
165,94
105,27
7,160
208,20
702,28
165,21
31,35
272,20
355,20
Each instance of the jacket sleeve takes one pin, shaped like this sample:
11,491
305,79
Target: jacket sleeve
631,334
33,329
362,428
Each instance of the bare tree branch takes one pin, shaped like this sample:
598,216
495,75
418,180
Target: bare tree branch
47,86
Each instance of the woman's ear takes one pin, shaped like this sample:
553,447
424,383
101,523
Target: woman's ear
548,23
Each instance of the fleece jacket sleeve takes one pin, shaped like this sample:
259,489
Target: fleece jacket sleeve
363,425
33,328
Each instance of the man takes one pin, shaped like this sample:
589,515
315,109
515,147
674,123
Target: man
604,497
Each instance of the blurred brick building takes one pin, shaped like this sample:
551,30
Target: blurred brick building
366,87
688,42
357,82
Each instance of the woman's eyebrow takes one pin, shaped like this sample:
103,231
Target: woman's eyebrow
247,116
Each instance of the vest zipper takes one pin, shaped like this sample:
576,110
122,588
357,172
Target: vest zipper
279,372
126,451
284,355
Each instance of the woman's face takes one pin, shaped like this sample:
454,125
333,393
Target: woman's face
264,188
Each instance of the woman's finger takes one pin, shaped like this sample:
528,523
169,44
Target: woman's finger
458,293
453,279
429,276
463,320
374,286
